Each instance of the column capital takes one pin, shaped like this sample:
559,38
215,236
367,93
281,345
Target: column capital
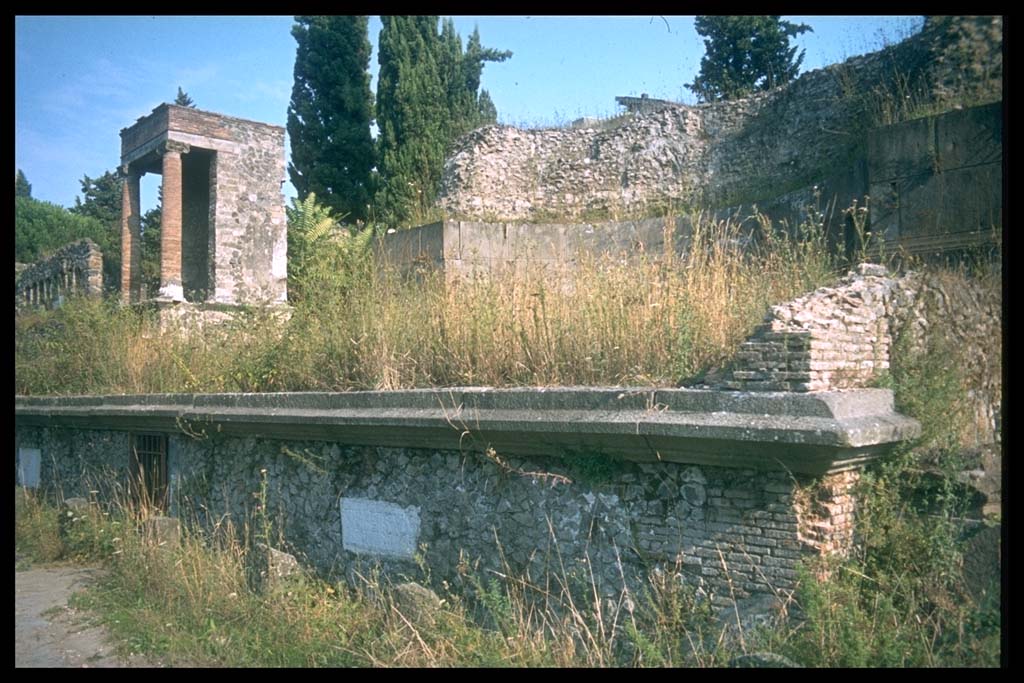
174,147
126,172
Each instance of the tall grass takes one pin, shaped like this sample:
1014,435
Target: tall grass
197,604
654,319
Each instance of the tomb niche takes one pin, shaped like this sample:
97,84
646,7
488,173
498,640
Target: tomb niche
223,233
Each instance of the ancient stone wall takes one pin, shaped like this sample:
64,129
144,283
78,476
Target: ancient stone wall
248,215
734,533
726,153
76,268
469,248
84,465
843,336
938,180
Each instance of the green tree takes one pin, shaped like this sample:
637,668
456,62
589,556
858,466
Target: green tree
427,96
745,54
149,227
487,112
330,114
22,187
102,201
40,228
183,100
412,110
482,111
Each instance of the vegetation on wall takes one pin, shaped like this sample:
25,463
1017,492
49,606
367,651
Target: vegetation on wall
360,322
899,600
182,99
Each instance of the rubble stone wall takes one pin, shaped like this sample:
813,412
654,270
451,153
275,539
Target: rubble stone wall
76,268
726,153
733,533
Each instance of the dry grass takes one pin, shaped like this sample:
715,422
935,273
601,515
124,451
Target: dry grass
655,319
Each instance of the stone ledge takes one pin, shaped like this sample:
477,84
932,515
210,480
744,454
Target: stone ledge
806,433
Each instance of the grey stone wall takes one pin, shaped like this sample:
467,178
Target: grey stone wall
734,533
938,181
251,246
471,247
74,268
77,463
727,153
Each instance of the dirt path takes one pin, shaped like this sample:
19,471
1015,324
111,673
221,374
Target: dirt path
48,633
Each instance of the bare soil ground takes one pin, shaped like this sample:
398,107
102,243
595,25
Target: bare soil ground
49,633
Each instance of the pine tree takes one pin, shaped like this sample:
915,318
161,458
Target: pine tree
745,54
330,114
183,100
102,200
22,187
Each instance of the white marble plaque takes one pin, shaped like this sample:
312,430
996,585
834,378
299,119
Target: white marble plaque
378,528
28,467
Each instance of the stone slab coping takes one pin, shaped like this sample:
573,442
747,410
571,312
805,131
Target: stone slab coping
811,433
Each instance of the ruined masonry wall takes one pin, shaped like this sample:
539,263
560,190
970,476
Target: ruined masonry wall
723,153
74,268
841,337
731,532
248,220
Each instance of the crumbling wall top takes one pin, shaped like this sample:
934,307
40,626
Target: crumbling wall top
168,118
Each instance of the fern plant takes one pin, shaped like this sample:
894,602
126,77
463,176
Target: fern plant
322,252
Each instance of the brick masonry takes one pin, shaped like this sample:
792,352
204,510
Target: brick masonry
841,337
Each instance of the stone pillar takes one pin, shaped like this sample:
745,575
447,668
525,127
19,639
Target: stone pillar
170,223
131,247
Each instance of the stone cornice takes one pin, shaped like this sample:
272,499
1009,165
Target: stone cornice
811,433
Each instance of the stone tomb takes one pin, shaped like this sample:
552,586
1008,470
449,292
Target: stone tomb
224,233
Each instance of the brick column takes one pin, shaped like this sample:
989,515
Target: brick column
131,247
170,223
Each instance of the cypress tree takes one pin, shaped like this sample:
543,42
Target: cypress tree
487,113
426,98
330,114
481,111
412,116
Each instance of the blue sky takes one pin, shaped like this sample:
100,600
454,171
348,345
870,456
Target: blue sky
80,80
